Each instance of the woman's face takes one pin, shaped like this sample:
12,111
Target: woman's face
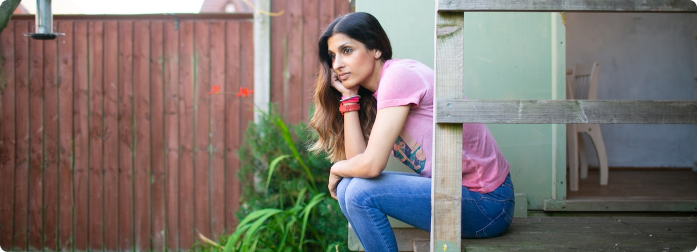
353,63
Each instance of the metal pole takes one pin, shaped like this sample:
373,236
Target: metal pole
44,17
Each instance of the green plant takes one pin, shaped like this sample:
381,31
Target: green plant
286,205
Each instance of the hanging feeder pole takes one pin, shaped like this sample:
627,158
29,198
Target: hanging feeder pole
44,22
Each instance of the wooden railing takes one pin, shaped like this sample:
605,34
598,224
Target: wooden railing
451,111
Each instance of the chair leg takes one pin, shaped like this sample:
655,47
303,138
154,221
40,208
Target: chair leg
597,137
572,155
583,157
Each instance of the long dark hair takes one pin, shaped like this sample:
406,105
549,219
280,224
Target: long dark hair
327,120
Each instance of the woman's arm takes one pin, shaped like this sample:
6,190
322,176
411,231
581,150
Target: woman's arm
369,163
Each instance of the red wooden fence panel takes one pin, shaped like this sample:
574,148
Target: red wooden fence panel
171,99
202,86
7,136
115,142
51,144
186,137
21,209
96,133
126,145
111,134
157,136
81,137
66,200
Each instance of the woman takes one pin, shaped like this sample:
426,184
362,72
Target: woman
368,105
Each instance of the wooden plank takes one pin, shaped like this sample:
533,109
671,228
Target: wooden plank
96,133
621,204
81,138
171,71
21,218
232,124
36,139
51,145
326,16
279,41
125,84
65,118
566,111
446,188
342,7
202,63
111,133
7,134
404,237
141,94
262,55
218,130
246,72
186,137
157,134
293,88
310,61
568,5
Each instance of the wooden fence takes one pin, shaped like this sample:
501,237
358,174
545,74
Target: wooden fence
110,139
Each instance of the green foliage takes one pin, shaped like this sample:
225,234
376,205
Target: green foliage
285,202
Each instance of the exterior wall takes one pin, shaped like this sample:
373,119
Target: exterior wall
507,56
642,56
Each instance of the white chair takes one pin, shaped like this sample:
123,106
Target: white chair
582,84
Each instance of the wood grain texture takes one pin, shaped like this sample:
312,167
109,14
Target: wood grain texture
143,154
446,188
81,137
111,134
65,118
96,139
21,65
126,145
233,134
7,135
171,129
279,40
157,203
217,130
202,114
566,111
293,87
568,5
310,60
50,145
186,137
36,139
246,73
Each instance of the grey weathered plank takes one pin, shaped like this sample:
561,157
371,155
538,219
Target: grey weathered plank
568,5
621,204
446,189
576,234
566,111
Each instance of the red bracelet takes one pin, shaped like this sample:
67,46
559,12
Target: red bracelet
349,107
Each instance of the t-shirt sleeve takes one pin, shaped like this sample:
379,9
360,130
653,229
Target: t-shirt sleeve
400,86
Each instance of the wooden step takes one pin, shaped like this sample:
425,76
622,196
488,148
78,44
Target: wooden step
572,234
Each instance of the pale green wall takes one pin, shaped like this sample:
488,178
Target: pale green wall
507,56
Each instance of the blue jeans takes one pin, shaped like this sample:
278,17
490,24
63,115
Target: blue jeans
407,197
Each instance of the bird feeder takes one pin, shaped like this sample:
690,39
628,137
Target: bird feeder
44,22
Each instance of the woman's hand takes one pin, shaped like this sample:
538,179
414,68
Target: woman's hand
336,83
333,183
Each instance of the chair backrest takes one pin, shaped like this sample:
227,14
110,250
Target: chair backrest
583,81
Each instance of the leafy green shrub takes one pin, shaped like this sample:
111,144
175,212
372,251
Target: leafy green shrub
285,202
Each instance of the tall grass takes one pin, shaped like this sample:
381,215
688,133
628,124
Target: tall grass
283,208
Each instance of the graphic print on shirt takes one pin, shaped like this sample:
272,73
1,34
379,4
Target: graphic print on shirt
409,152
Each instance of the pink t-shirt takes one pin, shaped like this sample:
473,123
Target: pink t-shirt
404,82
